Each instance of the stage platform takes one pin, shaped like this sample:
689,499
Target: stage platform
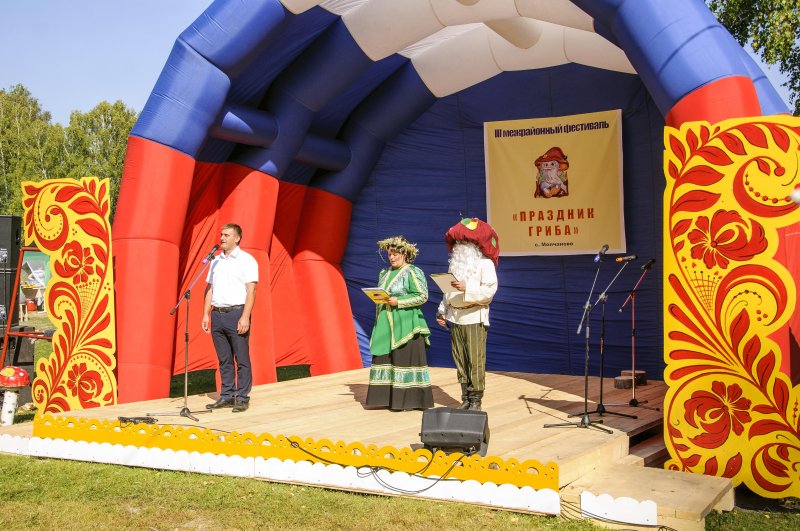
321,423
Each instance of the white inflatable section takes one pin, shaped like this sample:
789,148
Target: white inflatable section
384,27
453,12
545,501
561,12
454,44
451,60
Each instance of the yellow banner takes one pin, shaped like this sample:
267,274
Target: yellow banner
554,185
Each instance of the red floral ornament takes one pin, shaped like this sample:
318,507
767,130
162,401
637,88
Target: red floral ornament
84,384
719,412
725,238
77,263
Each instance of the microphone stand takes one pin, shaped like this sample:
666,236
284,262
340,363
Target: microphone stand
585,421
632,298
185,412
603,297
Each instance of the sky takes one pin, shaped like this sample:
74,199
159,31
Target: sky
73,54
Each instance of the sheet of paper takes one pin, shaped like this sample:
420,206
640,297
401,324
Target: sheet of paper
443,280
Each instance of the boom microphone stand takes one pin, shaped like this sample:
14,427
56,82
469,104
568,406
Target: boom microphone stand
185,412
585,422
632,297
601,408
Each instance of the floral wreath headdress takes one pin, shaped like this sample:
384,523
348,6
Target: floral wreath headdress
400,244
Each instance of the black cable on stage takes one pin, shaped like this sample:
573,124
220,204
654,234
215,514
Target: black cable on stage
125,421
315,456
374,471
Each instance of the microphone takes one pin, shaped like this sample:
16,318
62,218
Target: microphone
601,253
649,264
628,258
210,256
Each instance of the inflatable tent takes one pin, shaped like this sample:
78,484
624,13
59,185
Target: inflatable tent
323,127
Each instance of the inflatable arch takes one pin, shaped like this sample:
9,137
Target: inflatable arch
322,127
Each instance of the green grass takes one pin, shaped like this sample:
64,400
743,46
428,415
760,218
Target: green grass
53,494
56,494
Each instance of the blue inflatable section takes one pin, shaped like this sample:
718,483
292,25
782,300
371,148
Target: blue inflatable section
675,47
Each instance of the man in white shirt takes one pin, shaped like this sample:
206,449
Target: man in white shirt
474,252
229,298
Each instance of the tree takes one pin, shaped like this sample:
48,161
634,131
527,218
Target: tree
95,143
771,27
33,149
27,145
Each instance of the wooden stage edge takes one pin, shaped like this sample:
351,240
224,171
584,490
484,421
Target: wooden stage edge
316,431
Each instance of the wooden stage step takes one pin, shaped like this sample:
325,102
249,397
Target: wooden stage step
682,499
650,452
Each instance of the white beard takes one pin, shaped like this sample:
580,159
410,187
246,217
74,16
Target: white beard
550,174
465,261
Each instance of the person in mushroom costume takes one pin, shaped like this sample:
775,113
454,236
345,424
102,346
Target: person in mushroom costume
474,252
552,178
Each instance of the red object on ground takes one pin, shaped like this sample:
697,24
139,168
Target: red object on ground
13,377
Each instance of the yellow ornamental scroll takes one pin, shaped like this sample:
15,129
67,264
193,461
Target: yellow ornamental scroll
68,220
729,296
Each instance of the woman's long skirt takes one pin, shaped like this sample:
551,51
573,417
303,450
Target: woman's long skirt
400,380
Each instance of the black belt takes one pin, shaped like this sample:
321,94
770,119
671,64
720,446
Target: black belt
226,309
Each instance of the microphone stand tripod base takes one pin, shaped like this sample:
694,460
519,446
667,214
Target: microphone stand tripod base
601,410
638,403
585,422
184,412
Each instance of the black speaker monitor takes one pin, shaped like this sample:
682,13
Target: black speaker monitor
10,241
455,430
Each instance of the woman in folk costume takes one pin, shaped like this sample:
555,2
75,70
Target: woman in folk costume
399,376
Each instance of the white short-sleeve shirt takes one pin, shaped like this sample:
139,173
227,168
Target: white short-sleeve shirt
228,276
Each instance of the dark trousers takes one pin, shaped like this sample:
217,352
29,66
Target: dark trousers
236,381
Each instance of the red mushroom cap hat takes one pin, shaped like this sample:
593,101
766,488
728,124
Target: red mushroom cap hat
554,153
14,377
478,232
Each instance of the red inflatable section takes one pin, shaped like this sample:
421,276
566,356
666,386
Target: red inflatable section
321,242
291,346
730,97
249,198
168,219
218,197
147,231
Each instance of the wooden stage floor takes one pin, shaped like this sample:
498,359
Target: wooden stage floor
518,405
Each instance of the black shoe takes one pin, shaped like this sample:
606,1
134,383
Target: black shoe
222,402
475,400
240,406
